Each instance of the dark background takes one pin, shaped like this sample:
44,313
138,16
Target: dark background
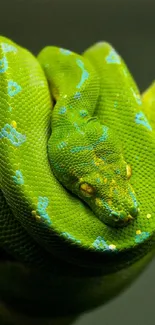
130,26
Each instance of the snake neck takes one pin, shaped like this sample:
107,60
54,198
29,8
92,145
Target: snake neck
70,118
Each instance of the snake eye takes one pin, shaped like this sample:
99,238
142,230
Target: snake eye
86,189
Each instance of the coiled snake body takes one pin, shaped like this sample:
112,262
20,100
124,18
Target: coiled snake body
77,171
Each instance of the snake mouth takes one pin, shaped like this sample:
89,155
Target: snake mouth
123,217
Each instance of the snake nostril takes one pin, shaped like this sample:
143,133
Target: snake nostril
134,211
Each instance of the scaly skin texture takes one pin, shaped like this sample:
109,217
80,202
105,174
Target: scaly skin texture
86,157
77,172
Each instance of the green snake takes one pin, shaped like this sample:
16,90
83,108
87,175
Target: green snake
77,171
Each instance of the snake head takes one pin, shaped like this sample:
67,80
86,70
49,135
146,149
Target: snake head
90,164
110,196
